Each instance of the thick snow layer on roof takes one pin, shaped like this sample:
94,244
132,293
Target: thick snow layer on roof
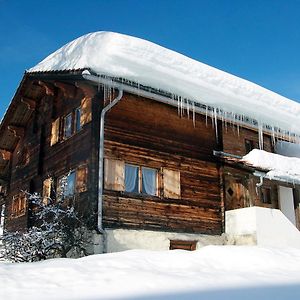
278,166
119,55
213,272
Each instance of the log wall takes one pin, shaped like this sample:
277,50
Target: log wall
151,134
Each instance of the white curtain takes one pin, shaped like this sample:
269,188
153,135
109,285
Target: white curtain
131,179
149,181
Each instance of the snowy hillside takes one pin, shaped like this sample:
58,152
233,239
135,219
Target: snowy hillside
118,55
214,272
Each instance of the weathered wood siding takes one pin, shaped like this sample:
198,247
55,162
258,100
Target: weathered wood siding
148,133
51,161
234,139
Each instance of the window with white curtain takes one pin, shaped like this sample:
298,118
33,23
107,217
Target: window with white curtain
140,180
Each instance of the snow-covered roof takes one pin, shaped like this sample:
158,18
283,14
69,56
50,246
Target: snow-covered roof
131,58
277,167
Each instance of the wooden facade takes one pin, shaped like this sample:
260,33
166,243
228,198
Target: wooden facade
52,129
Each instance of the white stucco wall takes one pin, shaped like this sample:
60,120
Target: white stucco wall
268,227
286,203
124,239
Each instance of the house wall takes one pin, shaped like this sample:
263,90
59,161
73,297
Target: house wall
240,185
46,160
126,239
152,134
260,226
286,203
234,140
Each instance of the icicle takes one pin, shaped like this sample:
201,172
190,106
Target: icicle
260,136
273,136
194,119
216,122
212,118
181,106
188,108
206,115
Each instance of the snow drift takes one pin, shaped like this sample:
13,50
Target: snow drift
214,272
277,166
118,55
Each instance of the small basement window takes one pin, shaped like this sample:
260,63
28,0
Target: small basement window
183,245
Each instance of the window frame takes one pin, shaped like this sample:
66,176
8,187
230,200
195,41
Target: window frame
60,196
65,137
266,192
140,180
18,205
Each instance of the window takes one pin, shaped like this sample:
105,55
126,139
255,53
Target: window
250,145
265,195
65,127
183,245
66,185
121,176
18,205
74,182
68,130
140,180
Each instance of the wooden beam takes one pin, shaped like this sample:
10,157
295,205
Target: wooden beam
88,90
16,130
69,91
6,155
31,104
49,88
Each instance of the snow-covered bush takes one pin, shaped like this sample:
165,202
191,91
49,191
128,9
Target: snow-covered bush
58,231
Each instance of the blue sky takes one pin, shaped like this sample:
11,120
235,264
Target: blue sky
256,40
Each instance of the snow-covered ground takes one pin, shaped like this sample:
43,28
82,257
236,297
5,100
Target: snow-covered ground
213,272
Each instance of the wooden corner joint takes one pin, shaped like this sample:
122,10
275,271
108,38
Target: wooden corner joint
6,155
16,130
88,90
31,104
68,90
49,88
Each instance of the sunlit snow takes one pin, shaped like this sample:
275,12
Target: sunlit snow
213,272
278,166
146,63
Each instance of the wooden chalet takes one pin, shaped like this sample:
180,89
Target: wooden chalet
149,174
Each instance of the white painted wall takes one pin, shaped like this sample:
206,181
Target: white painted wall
286,203
268,227
124,239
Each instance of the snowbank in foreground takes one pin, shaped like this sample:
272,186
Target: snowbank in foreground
214,272
279,166
135,59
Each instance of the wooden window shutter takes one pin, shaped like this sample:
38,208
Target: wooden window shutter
47,186
81,179
55,132
86,111
114,175
171,184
